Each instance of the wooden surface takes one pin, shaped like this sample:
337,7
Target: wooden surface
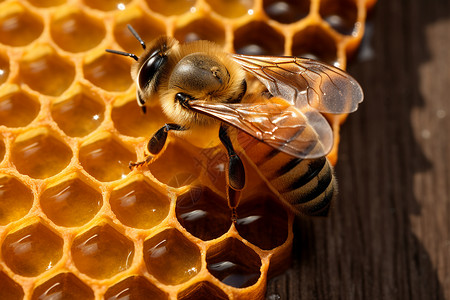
388,236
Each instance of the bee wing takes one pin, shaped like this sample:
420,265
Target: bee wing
305,82
304,134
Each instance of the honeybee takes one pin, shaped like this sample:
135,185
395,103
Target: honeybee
199,87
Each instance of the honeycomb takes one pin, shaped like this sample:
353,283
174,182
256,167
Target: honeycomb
75,222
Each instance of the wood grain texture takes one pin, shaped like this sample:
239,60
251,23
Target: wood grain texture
388,236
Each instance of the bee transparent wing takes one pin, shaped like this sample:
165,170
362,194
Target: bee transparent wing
305,82
304,134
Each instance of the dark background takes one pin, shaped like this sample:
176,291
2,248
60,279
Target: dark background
388,236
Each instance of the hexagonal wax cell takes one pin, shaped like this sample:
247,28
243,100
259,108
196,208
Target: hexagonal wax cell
258,38
341,14
46,72
287,11
76,31
79,115
9,289
32,250
139,205
40,154
135,287
233,263
232,8
16,199
106,159
18,109
102,252
262,221
203,213
18,26
171,257
171,7
201,29
71,202
63,286
141,22
314,42
109,72
129,120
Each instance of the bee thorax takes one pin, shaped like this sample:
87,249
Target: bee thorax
198,74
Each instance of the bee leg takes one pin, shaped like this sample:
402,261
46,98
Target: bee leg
157,142
133,165
235,173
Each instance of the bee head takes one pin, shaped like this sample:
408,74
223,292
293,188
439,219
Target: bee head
149,67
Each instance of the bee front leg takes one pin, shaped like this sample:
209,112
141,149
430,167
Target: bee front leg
235,173
156,143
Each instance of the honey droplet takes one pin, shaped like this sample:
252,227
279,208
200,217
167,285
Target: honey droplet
171,257
63,286
102,252
32,250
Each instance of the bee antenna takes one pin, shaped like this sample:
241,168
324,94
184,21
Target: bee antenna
133,56
136,35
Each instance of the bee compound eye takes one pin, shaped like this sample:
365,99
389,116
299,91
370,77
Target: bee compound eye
151,68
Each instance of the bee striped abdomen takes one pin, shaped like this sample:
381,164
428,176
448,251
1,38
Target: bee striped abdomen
307,185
